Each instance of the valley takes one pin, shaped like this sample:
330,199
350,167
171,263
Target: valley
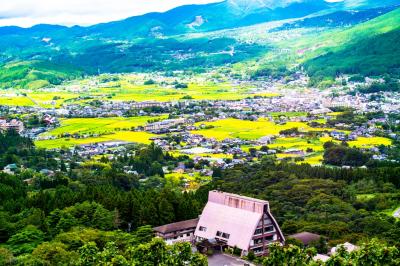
170,138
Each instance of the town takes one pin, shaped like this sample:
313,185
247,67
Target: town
286,120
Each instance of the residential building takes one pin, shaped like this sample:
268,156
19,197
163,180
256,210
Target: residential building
177,232
238,221
14,124
165,124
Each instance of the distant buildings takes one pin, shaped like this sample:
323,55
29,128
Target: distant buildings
14,124
163,125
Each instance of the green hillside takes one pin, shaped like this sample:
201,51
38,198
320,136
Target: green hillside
370,57
34,74
366,49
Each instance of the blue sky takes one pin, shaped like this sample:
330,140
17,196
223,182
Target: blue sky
26,13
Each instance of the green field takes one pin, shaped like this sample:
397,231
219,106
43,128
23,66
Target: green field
92,126
130,89
128,136
363,142
94,130
193,180
125,91
251,130
15,100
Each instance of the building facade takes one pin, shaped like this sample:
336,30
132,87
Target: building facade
238,221
177,232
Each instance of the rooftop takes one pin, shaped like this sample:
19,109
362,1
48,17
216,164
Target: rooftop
168,228
305,237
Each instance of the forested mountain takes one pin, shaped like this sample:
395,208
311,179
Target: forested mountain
197,37
366,48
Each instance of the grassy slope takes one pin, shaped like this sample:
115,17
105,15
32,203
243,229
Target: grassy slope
368,48
34,74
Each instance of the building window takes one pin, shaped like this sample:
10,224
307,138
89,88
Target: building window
188,234
269,238
203,229
257,241
258,231
257,250
269,229
225,235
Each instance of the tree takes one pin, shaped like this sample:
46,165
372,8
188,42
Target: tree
289,255
6,257
157,252
144,234
55,253
369,253
88,254
26,240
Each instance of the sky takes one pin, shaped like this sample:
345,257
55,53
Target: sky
25,13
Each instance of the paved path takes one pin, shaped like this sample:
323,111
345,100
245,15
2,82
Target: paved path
225,260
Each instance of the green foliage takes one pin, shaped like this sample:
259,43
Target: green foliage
35,74
6,257
157,252
375,55
90,214
26,240
289,255
370,253
340,155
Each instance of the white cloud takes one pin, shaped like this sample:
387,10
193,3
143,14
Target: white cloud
26,13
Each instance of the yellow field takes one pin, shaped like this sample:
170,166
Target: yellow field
297,143
236,128
15,101
363,142
100,125
128,136
46,99
223,91
313,159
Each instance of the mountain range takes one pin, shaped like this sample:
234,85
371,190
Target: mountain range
176,39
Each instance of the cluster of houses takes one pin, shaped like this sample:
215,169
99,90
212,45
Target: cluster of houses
13,124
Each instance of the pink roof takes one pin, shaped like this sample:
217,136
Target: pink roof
235,215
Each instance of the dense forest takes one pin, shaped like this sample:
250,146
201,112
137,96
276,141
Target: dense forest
95,214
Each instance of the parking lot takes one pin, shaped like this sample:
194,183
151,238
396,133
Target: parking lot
220,259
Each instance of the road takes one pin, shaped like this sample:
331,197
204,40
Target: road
225,260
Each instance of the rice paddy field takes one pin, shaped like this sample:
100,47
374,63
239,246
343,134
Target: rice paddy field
124,90
128,92
97,130
15,100
83,126
51,99
251,130
298,143
40,98
363,142
127,136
